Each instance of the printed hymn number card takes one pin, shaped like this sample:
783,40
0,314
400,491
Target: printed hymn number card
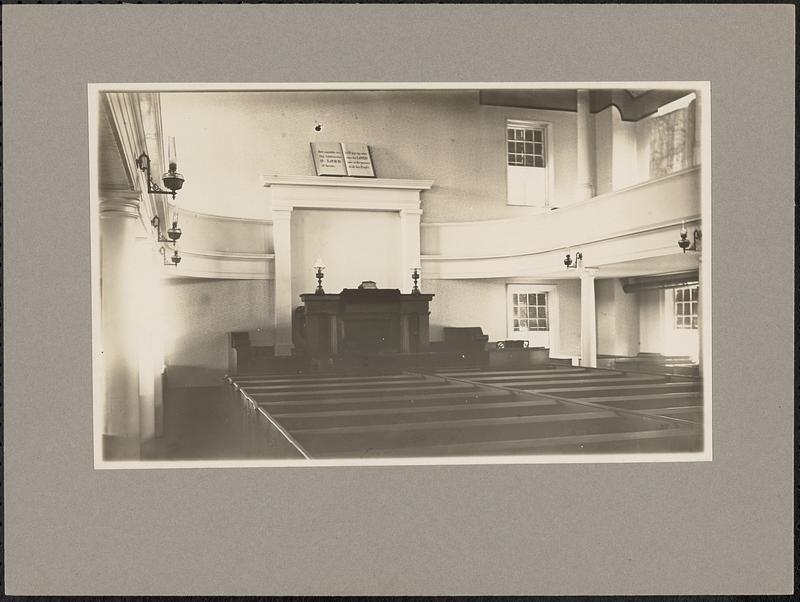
342,159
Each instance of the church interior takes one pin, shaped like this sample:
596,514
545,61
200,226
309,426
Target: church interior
503,272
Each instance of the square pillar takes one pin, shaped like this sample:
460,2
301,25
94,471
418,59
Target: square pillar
282,242
585,178
588,318
409,247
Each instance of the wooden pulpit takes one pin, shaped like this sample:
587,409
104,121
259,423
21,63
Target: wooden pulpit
364,321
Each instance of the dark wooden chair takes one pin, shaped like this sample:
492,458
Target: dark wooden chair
465,339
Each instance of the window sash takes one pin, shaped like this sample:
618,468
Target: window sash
685,303
525,146
529,312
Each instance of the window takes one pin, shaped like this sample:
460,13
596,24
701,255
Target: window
672,141
529,312
685,300
525,146
529,169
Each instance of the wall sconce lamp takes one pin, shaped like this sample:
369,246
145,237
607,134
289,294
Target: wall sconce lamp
415,278
573,264
174,233
172,180
683,243
173,260
320,267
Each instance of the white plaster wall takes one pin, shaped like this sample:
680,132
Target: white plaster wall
468,303
651,316
625,168
569,307
227,141
484,303
201,232
199,315
604,144
354,245
617,319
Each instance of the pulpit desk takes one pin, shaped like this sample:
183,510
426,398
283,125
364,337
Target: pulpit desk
365,321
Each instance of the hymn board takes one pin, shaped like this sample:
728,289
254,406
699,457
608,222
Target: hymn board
342,159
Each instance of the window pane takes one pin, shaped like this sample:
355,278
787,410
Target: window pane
523,324
520,134
537,135
523,312
516,324
537,149
694,322
529,148
538,162
528,161
528,134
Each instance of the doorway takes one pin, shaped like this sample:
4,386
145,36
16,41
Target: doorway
533,314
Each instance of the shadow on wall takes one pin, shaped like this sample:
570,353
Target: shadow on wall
179,376
201,314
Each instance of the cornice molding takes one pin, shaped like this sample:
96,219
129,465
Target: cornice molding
346,182
345,193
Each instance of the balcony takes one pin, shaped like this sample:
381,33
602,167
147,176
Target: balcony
633,223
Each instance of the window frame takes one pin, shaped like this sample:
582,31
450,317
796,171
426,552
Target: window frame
549,160
680,306
552,305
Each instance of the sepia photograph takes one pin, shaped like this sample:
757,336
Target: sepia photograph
361,274
398,300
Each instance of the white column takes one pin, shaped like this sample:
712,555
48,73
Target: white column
151,329
584,186
588,318
409,247
282,243
119,226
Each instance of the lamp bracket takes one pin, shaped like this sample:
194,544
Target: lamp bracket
143,163
574,264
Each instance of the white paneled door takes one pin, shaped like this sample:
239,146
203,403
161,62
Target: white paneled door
533,314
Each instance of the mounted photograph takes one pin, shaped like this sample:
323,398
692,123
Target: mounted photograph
374,274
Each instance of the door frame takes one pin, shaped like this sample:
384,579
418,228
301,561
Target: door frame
552,309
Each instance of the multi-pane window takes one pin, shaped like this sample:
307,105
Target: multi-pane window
672,142
529,311
525,146
686,307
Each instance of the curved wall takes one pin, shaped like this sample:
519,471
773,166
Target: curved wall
445,135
